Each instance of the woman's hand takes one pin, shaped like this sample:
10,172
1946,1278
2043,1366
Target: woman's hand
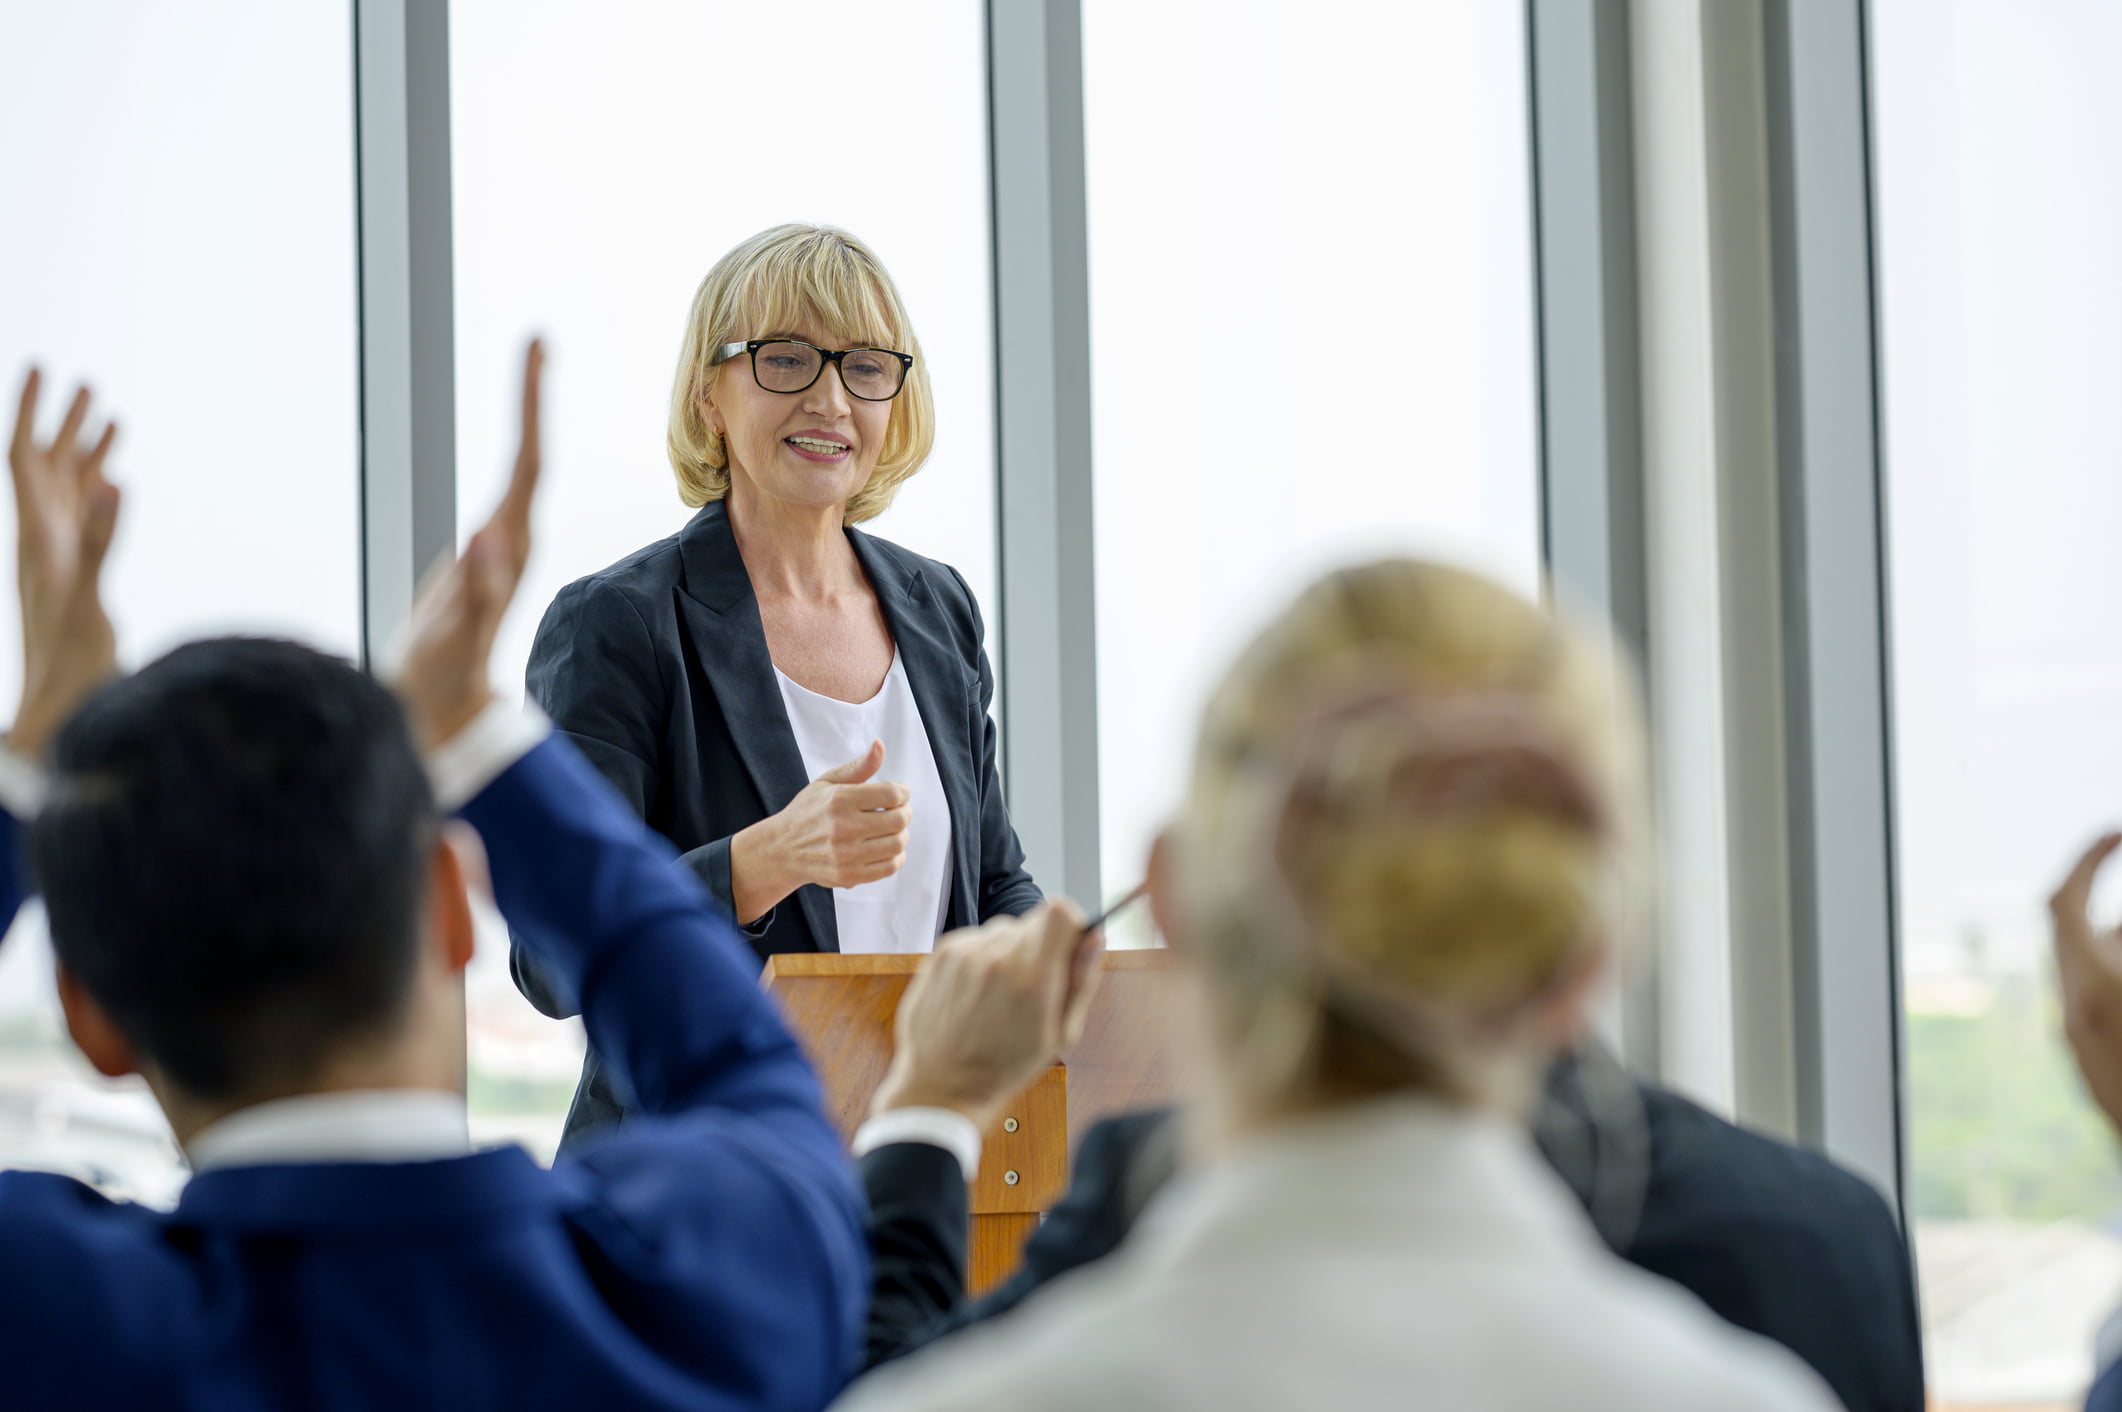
846,828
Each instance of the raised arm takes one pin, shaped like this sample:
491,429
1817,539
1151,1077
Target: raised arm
593,671
597,899
731,1202
65,514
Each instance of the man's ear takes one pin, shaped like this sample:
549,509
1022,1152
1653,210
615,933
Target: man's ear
449,907
1164,893
95,1034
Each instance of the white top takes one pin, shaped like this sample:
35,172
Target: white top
904,912
1393,1254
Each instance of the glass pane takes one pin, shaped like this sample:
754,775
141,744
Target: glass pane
605,157
1998,201
180,229
1311,312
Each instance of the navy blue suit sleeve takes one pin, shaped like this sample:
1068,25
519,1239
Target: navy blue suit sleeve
13,876
596,897
733,1185
2106,1394
1006,887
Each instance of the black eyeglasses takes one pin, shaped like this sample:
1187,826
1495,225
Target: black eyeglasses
790,365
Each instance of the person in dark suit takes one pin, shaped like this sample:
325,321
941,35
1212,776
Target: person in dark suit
1776,1239
801,708
255,904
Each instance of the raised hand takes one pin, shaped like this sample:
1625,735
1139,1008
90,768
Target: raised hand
2089,972
442,671
989,1011
65,513
845,828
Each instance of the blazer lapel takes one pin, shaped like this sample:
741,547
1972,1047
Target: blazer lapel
942,686
721,612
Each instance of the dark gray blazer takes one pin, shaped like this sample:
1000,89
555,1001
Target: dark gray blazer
657,669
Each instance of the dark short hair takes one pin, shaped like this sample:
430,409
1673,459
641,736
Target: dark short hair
234,858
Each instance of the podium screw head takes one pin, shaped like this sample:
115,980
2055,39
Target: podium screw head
1009,1125
1009,1179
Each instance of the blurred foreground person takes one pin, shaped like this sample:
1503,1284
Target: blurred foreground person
1775,1238
2089,973
1413,833
256,905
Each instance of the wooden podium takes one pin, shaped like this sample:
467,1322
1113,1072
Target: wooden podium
841,1008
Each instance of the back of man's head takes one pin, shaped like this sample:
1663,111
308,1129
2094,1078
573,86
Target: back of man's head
234,857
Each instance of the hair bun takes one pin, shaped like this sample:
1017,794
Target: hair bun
1446,843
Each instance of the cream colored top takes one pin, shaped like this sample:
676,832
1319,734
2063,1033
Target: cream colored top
1395,1254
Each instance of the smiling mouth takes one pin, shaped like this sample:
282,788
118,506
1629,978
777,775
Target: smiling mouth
816,447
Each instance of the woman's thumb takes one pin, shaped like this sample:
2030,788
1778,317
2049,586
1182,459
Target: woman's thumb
860,769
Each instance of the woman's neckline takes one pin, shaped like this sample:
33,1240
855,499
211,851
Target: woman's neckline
882,687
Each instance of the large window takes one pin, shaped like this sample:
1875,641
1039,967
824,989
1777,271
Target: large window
604,158
1998,205
1312,330
180,232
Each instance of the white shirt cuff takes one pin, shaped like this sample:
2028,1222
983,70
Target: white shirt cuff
938,1127
474,757
23,784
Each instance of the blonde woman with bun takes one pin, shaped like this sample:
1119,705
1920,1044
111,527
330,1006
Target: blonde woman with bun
800,707
1412,842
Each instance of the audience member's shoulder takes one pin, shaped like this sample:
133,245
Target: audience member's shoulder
36,1206
1705,1163
1699,1359
2106,1394
1077,1345
55,1232
1100,1337
1121,1138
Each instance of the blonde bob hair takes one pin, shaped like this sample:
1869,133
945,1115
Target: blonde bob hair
771,284
1417,809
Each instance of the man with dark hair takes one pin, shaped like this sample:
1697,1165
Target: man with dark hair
257,906
246,938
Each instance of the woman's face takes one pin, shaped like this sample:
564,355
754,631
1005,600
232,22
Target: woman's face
816,447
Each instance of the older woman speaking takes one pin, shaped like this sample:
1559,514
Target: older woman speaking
800,708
